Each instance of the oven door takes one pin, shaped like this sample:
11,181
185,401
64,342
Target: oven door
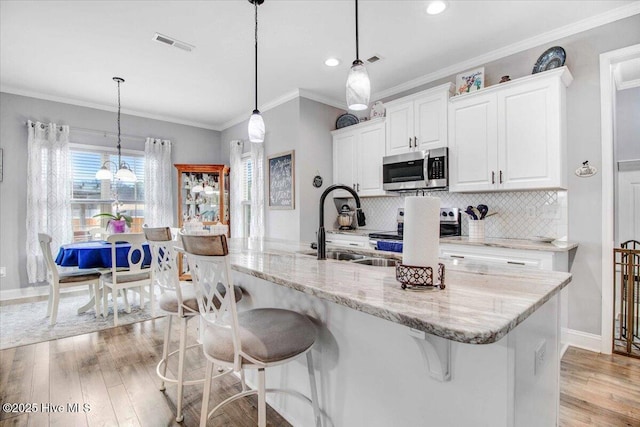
404,171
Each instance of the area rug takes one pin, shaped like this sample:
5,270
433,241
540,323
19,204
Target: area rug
27,323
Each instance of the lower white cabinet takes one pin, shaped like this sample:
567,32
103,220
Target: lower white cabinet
347,240
512,257
357,158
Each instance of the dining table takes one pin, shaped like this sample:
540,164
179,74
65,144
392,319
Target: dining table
97,254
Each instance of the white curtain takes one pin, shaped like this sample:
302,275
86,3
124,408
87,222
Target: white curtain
235,158
158,188
257,190
48,193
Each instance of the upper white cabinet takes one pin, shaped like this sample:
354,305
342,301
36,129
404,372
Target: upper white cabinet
510,136
357,158
418,121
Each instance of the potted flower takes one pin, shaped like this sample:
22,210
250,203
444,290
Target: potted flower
117,222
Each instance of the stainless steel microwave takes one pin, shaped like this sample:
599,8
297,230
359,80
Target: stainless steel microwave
418,170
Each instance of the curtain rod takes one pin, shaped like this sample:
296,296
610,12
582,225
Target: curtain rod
104,133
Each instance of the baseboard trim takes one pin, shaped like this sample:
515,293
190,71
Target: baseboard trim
584,340
31,294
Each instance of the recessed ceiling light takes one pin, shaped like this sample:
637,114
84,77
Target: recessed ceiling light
332,62
436,7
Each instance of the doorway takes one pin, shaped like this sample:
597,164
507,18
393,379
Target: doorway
615,75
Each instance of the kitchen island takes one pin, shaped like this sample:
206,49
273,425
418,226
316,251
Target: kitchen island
483,351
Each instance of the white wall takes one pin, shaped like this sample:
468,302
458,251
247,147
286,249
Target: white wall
191,145
301,125
628,124
583,133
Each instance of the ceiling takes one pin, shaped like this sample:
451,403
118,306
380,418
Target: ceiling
68,51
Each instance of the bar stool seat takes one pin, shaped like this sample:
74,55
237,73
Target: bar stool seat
266,334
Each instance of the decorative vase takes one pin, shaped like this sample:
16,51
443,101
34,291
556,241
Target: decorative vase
117,225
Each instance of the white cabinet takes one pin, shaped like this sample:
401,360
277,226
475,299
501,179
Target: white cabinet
357,158
510,136
418,121
350,240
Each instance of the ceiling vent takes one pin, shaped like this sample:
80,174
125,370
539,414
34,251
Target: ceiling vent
374,58
161,38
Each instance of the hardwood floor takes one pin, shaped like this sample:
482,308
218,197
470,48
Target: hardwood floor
599,390
113,372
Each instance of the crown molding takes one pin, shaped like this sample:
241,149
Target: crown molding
323,99
110,108
550,36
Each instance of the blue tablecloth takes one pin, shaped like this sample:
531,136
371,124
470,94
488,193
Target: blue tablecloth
97,254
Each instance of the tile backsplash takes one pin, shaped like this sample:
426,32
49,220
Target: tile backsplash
521,214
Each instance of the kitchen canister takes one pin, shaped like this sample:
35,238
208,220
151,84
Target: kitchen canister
476,230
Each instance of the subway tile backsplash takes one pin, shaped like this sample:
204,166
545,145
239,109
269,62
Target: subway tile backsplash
521,214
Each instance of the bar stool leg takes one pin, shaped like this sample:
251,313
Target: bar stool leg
262,403
165,349
205,394
183,342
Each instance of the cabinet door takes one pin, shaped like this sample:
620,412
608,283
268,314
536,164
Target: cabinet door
344,162
529,137
430,122
473,144
370,151
399,128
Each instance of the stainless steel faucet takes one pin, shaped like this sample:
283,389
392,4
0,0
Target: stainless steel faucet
322,245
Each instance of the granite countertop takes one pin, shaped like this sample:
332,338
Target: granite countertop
480,305
528,244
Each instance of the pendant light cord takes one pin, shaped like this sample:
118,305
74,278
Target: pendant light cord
357,49
255,3
119,147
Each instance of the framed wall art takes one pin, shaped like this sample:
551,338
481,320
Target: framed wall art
470,81
282,180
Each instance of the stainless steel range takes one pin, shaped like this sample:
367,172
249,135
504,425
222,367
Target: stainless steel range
450,225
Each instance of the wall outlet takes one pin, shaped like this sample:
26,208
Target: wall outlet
3,271
539,357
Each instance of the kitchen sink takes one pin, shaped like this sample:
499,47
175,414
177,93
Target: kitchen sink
338,255
376,262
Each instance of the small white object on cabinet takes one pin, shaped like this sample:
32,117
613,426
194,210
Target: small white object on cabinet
418,121
510,136
357,158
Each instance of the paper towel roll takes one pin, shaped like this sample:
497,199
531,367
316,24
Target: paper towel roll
421,239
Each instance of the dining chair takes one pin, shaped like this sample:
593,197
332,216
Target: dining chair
135,276
58,280
178,300
253,339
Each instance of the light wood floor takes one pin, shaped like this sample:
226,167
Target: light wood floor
113,371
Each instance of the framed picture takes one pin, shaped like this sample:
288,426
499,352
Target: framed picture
282,180
470,81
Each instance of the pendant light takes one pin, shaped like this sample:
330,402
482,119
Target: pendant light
256,123
124,172
358,84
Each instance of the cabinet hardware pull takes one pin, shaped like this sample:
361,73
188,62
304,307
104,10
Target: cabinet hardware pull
493,177
500,177
353,186
515,263
354,244
409,142
415,142
328,241
358,186
456,256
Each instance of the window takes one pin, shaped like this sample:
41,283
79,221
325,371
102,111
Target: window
247,181
90,196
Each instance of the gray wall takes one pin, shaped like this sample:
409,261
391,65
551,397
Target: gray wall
583,134
301,125
191,145
628,124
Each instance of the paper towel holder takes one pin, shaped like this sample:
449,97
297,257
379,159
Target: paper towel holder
419,278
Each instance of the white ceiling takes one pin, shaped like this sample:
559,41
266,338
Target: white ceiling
69,50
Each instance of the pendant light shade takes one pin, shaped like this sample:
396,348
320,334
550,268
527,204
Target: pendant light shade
358,83
124,172
256,128
358,87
